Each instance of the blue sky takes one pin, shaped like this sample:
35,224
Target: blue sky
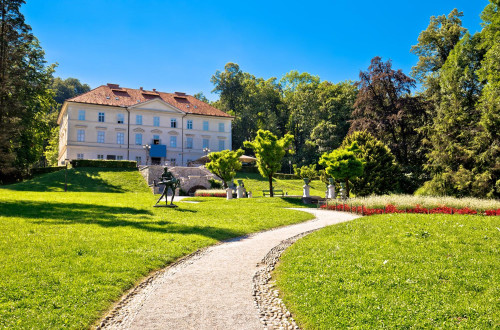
178,45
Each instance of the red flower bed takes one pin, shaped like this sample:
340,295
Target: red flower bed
417,209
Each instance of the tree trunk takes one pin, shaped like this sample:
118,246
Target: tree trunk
347,187
271,186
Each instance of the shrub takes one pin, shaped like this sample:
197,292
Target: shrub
215,184
305,171
104,163
45,170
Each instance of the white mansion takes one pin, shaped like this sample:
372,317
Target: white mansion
111,122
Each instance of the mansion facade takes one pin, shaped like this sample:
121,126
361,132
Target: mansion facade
150,127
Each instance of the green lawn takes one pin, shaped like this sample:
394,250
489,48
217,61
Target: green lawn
396,271
256,183
66,257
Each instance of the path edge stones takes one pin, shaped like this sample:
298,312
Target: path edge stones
273,313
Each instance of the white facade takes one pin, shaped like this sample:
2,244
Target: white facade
91,131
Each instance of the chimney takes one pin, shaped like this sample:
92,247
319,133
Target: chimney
113,86
140,88
154,89
180,93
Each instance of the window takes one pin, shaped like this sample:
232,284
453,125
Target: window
173,123
101,117
138,159
79,156
206,143
111,157
100,136
138,119
156,139
81,114
101,157
80,135
120,118
173,142
156,121
205,125
120,138
172,161
138,139
119,157
189,143
221,145
189,124
221,127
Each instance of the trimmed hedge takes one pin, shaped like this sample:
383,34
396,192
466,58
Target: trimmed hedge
104,163
285,176
45,170
249,169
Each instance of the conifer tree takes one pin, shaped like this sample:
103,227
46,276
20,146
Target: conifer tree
25,98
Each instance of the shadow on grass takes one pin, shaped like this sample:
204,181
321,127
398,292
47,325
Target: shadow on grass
49,213
78,180
297,202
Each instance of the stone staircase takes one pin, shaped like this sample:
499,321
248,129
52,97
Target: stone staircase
191,178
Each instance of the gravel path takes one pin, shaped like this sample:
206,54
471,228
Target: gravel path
211,289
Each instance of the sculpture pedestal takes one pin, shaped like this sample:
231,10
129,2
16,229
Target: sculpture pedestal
306,189
229,193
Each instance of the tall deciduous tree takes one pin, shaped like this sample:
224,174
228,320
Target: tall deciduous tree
343,164
225,164
385,108
25,98
269,150
381,172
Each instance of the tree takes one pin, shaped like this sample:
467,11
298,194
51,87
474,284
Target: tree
385,108
487,141
200,96
342,164
269,150
435,44
453,156
305,171
25,98
67,88
381,173
224,164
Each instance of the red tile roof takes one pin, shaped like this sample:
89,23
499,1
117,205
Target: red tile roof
115,95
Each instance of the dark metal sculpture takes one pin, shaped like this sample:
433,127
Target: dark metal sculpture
168,180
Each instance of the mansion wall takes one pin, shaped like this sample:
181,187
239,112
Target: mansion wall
108,132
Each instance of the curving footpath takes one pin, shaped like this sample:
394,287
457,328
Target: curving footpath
211,289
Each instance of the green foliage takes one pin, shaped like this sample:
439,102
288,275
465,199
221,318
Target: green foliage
66,257
200,96
385,108
342,164
51,152
225,164
104,163
269,151
67,88
25,99
215,184
395,271
305,171
381,174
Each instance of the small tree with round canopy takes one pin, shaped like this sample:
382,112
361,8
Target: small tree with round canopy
342,164
269,150
224,164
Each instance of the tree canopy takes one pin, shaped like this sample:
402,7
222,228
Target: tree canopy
225,164
269,151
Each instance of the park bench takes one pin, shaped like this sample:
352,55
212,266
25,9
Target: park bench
275,191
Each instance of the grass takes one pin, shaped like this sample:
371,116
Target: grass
255,183
66,257
396,271
409,201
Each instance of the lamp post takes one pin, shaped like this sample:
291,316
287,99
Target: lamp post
206,151
147,147
66,161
